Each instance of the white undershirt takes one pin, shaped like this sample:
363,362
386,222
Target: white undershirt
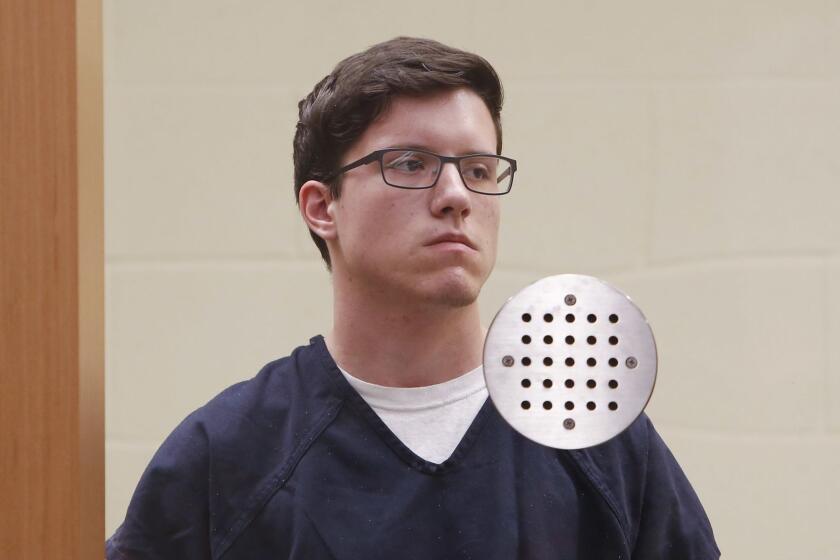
431,420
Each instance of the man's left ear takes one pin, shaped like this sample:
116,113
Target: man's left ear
316,208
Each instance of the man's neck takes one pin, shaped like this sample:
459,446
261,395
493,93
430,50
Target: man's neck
401,345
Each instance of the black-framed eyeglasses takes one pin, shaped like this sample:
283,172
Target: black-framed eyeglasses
418,169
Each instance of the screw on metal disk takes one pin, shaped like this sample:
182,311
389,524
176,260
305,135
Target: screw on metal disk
570,299
507,361
569,424
632,362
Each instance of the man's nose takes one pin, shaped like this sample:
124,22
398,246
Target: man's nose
450,195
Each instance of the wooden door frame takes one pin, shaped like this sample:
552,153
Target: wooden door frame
51,279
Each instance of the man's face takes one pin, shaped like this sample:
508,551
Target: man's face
392,241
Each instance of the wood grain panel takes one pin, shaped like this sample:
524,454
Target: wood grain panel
91,255
42,466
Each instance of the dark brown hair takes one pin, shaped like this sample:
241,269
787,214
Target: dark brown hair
342,105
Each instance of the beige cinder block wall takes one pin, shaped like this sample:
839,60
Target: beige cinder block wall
688,153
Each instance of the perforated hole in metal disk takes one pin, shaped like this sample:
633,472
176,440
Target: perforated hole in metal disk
603,388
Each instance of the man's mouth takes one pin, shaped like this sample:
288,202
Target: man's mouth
454,238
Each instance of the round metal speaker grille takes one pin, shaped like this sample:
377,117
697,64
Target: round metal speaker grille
570,361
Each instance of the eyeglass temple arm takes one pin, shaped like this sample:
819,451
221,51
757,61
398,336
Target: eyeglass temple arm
359,162
504,175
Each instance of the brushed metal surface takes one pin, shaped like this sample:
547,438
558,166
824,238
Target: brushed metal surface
605,372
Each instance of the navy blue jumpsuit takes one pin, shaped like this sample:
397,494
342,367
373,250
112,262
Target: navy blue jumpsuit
293,464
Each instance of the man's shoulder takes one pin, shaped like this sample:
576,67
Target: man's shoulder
617,470
622,455
267,419
297,385
648,492
225,459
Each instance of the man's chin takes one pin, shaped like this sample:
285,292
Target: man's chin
457,290
456,299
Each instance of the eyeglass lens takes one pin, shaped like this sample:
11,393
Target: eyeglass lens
417,170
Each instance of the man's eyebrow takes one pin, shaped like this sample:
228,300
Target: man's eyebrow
420,147
425,148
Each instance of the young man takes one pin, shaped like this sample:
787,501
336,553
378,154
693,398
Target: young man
379,441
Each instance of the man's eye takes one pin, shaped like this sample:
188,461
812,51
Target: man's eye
477,172
413,165
407,164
